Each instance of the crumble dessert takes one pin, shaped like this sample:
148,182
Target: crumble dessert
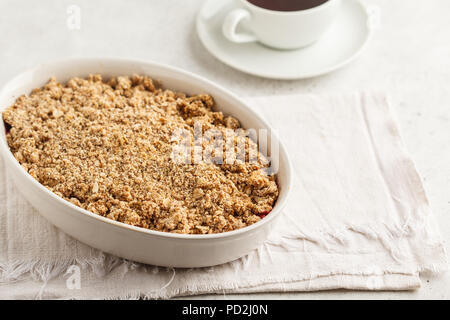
106,147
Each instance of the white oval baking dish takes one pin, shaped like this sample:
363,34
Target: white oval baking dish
134,243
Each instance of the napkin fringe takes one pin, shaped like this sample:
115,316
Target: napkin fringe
44,271
101,265
38,270
35,269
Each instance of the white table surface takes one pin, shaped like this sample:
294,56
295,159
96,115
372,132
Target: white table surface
408,57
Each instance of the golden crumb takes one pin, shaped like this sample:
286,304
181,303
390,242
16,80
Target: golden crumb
106,146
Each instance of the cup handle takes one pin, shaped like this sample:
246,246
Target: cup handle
230,24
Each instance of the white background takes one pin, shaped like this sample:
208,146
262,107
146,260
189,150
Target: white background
408,57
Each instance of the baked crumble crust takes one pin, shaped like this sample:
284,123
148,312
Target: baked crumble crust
106,146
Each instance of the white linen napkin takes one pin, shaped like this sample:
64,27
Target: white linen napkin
357,218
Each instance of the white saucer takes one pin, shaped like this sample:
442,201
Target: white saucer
341,44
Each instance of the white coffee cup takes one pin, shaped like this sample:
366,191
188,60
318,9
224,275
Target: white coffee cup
279,29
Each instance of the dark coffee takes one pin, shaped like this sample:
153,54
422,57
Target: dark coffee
287,5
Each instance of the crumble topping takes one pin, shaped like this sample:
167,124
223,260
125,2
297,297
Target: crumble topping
106,147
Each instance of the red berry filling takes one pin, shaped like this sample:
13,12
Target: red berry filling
263,214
